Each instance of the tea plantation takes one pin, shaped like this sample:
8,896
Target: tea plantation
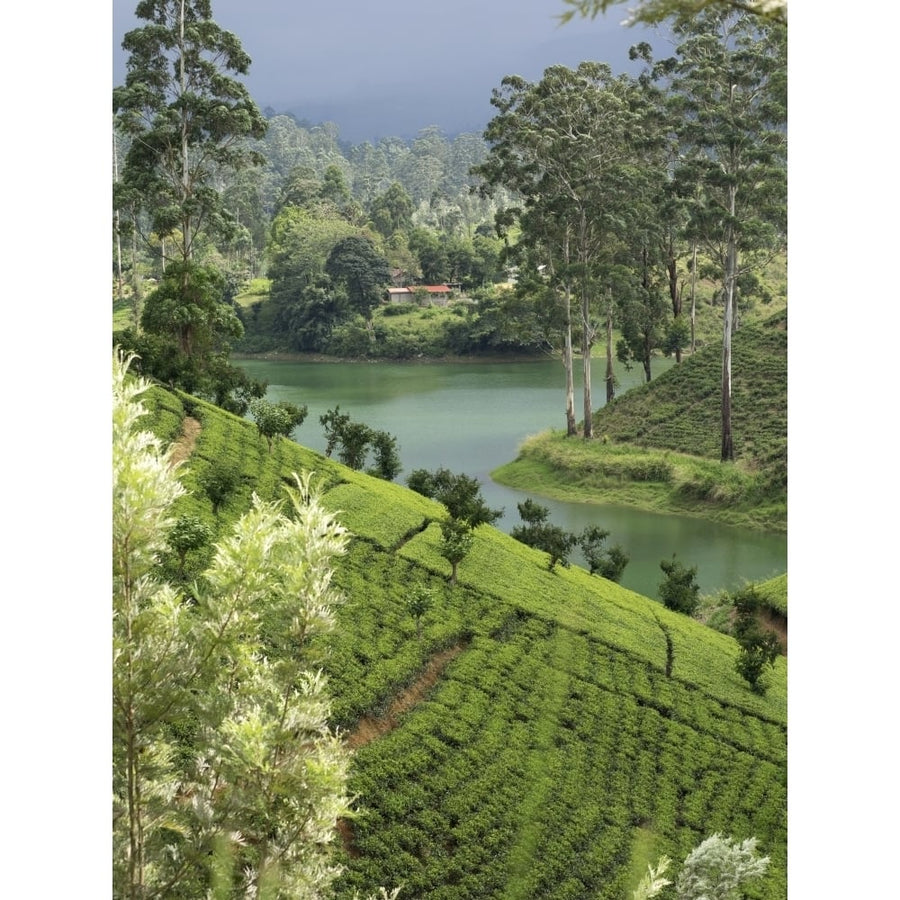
552,757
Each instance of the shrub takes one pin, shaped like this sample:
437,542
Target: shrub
679,590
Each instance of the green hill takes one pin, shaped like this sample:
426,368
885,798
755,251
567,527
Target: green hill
530,743
658,446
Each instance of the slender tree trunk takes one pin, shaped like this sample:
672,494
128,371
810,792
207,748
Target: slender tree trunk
568,360
610,376
674,291
646,357
587,333
730,275
568,363
587,342
694,299
647,341
135,277
116,219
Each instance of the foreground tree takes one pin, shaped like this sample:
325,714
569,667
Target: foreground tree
653,12
718,868
714,870
227,779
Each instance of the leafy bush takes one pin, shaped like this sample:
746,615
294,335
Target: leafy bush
679,590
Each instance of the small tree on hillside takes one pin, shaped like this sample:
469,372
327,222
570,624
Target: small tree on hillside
387,456
461,496
537,532
456,542
608,562
274,420
759,647
419,602
189,534
353,440
679,590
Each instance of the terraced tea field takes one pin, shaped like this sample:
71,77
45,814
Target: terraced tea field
551,756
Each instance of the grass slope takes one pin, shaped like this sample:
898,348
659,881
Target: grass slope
553,757
658,445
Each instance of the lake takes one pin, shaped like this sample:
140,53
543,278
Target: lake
470,417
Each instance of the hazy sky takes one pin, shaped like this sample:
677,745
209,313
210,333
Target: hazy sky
395,66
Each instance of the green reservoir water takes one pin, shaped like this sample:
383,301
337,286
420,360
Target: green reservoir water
471,418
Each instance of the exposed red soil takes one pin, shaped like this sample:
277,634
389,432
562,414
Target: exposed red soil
369,728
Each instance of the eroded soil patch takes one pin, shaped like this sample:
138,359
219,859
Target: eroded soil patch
371,727
184,446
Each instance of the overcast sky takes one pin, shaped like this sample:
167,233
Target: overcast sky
392,67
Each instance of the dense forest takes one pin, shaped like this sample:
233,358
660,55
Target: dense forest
541,731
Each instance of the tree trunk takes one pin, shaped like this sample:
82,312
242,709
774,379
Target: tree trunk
568,363
185,147
610,376
587,331
117,222
675,294
135,278
587,342
694,300
730,275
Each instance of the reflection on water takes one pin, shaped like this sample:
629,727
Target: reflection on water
471,417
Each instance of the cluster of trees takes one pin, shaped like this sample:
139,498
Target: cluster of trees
558,544
622,181
606,192
186,119
354,440
210,192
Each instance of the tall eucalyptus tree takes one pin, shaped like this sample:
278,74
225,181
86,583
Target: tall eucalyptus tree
564,145
729,85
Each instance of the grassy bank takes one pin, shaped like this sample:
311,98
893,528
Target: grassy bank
657,447
552,465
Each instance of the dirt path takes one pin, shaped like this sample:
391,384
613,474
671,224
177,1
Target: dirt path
184,446
371,727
